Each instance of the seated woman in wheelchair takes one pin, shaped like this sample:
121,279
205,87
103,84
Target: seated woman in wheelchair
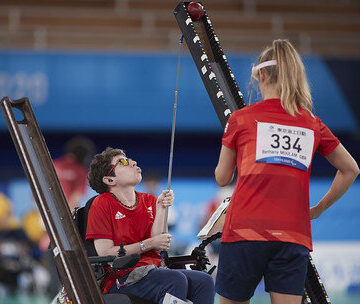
121,215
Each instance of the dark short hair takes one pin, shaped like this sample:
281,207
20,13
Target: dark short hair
81,148
100,166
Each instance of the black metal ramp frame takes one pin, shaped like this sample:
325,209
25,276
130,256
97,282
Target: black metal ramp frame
211,63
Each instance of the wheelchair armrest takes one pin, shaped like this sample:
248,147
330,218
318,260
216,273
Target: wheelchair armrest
99,263
126,261
123,262
101,259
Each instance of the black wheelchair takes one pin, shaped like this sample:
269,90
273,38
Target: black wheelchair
197,259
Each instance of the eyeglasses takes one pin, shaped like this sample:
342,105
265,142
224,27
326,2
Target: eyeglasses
122,161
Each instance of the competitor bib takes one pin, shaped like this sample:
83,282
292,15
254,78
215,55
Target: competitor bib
285,145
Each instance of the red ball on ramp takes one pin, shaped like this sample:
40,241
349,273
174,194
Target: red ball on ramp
196,10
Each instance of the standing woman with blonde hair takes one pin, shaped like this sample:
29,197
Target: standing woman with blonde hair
267,231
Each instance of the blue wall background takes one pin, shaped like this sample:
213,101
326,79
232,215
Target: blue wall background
135,92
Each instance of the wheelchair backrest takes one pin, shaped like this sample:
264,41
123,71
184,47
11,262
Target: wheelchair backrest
80,216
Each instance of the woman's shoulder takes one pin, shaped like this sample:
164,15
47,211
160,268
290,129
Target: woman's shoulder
255,107
310,118
246,112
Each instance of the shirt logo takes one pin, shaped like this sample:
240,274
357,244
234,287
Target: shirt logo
149,209
119,215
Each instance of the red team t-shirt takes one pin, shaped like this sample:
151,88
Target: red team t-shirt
109,220
72,176
274,154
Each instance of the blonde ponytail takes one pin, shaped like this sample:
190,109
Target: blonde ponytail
289,75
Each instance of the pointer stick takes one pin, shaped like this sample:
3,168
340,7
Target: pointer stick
165,229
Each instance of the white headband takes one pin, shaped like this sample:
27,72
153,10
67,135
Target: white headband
264,65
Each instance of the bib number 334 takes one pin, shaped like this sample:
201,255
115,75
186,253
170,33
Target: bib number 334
285,145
